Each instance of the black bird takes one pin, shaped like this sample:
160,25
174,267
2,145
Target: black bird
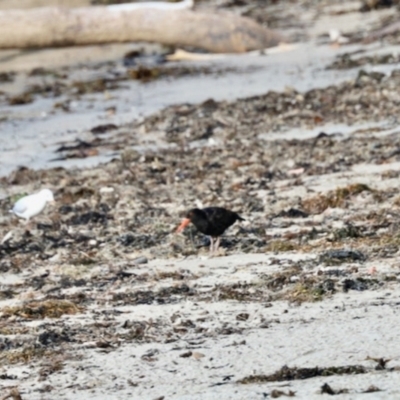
212,221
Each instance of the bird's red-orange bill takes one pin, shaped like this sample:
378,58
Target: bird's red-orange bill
185,222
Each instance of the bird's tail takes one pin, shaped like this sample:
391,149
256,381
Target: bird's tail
239,218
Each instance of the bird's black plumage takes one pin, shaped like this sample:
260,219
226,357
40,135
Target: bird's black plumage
213,221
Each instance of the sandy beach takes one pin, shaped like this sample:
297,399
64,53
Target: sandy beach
101,299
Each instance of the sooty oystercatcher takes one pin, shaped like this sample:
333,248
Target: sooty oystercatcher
212,221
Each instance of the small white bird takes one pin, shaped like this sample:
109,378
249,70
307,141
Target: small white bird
337,38
29,206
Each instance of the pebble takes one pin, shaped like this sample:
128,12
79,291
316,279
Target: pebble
197,356
107,189
140,260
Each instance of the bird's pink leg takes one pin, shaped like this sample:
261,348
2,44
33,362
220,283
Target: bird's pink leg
217,243
211,244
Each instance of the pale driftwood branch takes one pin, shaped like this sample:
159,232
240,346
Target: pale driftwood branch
183,55
380,33
180,5
55,27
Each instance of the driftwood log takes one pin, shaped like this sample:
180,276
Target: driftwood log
55,27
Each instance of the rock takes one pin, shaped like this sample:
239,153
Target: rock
140,260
